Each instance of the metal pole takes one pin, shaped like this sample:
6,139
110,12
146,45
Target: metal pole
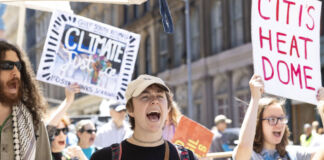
188,45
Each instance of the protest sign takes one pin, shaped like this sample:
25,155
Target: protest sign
99,57
286,41
193,136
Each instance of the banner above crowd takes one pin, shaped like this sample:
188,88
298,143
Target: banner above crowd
99,57
286,41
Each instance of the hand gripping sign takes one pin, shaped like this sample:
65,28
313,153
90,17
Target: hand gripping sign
285,39
99,57
193,136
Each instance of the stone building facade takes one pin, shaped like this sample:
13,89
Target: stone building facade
221,55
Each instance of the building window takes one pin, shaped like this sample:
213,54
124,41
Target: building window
221,100
148,56
125,14
222,104
178,42
196,111
163,51
194,20
197,100
113,14
236,22
146,6
137,11
217,26
136,68
243,95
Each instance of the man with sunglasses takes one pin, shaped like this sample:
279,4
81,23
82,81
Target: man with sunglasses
116,130
22,131
86,133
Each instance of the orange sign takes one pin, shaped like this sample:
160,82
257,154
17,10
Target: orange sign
193,136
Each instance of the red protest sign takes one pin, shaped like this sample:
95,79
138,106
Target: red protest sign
193,136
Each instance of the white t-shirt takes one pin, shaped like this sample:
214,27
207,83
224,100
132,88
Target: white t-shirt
109,134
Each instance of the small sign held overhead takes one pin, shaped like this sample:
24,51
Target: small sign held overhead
99,57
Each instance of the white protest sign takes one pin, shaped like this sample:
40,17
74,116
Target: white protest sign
286,41
97,56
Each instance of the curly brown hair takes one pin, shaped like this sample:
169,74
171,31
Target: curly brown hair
259,138
130,107
31,95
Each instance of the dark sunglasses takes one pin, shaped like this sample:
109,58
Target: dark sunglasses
9,65
90,131
64,130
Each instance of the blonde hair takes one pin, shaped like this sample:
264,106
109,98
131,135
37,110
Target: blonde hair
82,123
174,114
65,120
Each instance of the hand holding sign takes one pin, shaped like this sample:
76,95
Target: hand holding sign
70,91
256,87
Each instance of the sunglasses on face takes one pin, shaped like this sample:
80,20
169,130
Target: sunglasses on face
64,130
90,131
9,65
274,120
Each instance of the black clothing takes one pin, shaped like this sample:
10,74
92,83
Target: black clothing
130,152
57,156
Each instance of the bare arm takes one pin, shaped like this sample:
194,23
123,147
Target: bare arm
64,106
247,133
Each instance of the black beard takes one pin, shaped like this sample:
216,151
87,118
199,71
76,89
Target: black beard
7,99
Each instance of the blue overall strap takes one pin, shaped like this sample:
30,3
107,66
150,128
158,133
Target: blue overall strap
166,16
116,151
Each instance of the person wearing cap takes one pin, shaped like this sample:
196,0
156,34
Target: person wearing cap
116,130
218,143
148,103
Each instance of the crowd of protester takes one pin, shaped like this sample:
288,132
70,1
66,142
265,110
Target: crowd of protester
153,116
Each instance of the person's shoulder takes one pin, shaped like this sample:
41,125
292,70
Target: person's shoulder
192,156
107,125
104,154
180,149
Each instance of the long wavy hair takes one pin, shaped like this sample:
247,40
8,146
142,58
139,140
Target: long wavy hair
259,138
31,95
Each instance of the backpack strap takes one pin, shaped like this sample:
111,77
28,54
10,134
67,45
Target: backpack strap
183,152
116,151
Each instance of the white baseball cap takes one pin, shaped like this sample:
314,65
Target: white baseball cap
137,86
